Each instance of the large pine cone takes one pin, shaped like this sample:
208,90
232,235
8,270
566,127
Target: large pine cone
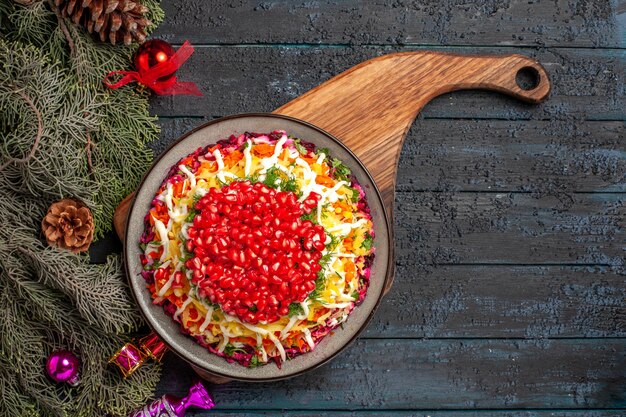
113,20
68,225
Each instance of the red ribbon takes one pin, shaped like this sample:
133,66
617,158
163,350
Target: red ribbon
150,77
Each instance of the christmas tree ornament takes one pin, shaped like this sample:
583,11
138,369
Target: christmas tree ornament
68,225
151,53
63,366
115,21
170,406
128,359
156,64
153,347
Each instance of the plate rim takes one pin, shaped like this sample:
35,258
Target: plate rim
370,314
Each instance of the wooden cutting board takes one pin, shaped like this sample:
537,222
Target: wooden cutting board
371,106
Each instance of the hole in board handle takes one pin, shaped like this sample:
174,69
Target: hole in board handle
527,78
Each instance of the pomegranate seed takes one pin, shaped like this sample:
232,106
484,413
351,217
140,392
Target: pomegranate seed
251,250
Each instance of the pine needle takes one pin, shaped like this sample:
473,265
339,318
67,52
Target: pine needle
63,135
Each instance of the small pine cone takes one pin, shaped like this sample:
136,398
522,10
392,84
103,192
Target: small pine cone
68,225
114,21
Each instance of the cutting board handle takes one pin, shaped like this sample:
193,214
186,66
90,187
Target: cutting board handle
497,73
371,106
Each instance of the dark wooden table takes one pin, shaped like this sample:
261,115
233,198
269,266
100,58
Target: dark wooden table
510,289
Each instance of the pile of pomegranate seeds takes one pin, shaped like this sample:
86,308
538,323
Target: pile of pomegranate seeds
253,254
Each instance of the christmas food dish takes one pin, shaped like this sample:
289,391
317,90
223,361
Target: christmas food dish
258,246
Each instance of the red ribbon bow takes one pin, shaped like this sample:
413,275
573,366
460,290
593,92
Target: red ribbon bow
150,77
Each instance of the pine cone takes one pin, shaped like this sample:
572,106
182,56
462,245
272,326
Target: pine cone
68,225
113,20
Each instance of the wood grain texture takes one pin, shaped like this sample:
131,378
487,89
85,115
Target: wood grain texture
533,156
500,301
488,22
511,228
588,84
401,374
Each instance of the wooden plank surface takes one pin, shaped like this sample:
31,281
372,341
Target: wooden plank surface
510,228
587,83
488,22
502,301
510,217
401,374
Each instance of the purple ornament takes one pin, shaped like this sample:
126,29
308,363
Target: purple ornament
63,366
170,406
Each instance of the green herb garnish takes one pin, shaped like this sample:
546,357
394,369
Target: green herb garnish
355,195
324,151
272,175
275,178
254,362
191,215
299,147
187,256
334,242
310,217
291,185
342,172
368,242
295,309
230,349
320,283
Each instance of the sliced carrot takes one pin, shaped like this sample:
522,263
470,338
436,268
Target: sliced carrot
285,155
325,181
213,148
263,149
233,158
245,339
319,313
350,270
342,206
177,188
186,161
159,212
308,159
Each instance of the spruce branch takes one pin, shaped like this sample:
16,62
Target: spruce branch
38,136
63,135
63,27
